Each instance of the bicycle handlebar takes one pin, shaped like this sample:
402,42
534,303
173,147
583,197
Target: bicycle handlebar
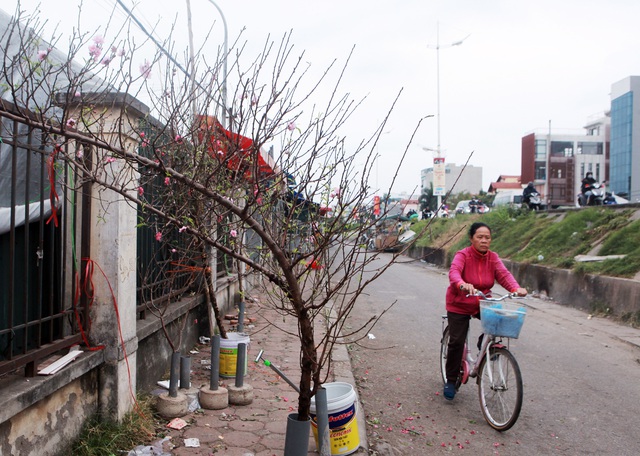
501,298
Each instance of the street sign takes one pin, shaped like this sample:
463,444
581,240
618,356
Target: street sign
439,188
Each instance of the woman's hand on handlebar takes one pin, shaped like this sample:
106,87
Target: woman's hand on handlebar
467,288
520,292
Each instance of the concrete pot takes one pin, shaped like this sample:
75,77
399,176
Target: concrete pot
172,407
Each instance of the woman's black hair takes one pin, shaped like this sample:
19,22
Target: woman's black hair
475,226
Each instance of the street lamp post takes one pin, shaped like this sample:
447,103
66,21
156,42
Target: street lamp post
437,47
225,112
224,62
178,65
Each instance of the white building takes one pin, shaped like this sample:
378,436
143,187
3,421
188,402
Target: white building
467,179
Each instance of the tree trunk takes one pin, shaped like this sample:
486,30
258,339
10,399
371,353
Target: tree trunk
212,302
308,364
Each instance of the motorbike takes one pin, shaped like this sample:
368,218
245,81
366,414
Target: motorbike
593,197
535,202
367,239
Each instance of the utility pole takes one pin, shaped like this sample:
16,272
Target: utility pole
438,150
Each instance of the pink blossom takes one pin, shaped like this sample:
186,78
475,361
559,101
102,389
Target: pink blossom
145,69
80,153
98,40
77,94
220,153
254,100
167,181
42,54
110,159
173,250
291,126
71,123
95,51
233,233
183,229
121,52
179,139
140,191
142,134
107,60
159,236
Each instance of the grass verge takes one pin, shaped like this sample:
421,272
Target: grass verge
105,437
551,239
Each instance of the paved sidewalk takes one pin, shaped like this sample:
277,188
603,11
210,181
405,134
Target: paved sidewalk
257,429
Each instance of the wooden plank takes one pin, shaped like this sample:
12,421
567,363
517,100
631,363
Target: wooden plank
59,364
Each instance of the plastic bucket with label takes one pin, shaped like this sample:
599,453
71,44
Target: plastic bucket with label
229,353
343,425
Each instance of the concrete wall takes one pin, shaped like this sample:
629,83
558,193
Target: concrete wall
62,402
591,293
56,418
614,296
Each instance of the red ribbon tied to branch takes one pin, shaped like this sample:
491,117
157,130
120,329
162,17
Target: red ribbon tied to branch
53,195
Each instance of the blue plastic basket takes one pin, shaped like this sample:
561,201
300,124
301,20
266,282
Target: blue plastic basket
502,319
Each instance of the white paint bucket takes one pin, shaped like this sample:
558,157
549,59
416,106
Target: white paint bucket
343,425
229,353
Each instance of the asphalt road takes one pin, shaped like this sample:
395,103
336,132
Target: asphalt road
581,381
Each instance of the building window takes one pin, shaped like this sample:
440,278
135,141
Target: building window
561,149
541,150
590,148
541,171
597,172
621,143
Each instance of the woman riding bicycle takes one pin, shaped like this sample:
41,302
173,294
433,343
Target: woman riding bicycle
473,268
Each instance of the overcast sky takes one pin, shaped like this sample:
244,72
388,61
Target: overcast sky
521,66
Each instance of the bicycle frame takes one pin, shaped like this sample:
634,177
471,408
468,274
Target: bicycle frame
470,365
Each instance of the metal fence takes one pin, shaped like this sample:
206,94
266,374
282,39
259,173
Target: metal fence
43,221
170,266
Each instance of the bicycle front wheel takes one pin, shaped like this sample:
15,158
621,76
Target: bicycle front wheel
500,389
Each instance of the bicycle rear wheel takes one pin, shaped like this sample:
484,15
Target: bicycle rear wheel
500,389
444,349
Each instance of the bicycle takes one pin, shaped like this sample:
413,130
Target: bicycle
495,368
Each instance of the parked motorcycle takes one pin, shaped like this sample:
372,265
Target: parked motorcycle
593,197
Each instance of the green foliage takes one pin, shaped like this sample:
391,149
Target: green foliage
101,437
552,239
632,318
625,240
